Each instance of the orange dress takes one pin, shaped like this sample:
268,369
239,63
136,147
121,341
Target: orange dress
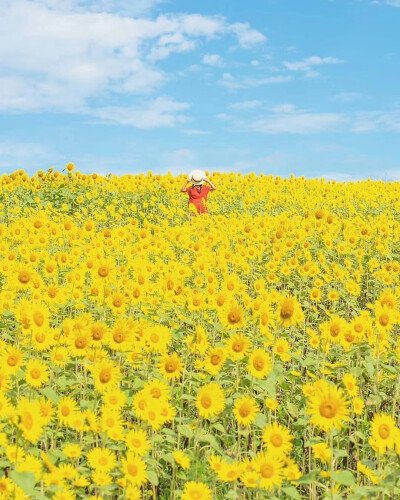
198,197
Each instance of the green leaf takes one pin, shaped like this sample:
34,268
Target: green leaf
260,421
219,427
153,478
185,430
307,478
345,477
291,492
25,480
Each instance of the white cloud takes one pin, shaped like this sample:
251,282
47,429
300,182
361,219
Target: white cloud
62,55
297,123
233,83
160,112
245,105
284,108
392,3
289,119
347,96
307,65
213,60
247,37
224,117
388,121
29,156
342,177
178,161
194,131
126,7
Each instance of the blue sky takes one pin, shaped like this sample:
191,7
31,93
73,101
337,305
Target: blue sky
274,86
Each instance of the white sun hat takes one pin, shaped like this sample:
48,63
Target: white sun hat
197,177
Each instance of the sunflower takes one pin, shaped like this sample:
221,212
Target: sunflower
101,459
67,408
270,470
328,407
322,452
114,398
181,459
237,346
245,410
260,363
277,439
30,420
171,366
79,341
135,469
383,432
42,340
194,490
232,316
350,383
156,390
333,330
282,349
39,317
214,360
385,318
111,422
99,331
230,472
358,406
389,298
210,400
60,356
289,312
106,375
157,338
138,442
6,407
47,410
121,336
37,373
12,359
72,451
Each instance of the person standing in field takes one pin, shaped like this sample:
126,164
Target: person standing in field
198,191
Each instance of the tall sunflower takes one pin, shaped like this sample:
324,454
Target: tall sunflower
328,407
270,470
277,439
194,490
384,432
260,363
289,312
245,410
210,400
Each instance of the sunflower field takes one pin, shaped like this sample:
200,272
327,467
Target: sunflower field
249,353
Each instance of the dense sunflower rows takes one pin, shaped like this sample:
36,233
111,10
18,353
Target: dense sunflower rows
246,354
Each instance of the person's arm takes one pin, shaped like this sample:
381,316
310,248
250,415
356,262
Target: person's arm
213,188
183,188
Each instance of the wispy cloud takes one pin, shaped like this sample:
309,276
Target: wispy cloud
368,121
348,96
392,3
160,112
194,131
289,119
213,60
233,83
307,65
297,123
245,105
26,155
